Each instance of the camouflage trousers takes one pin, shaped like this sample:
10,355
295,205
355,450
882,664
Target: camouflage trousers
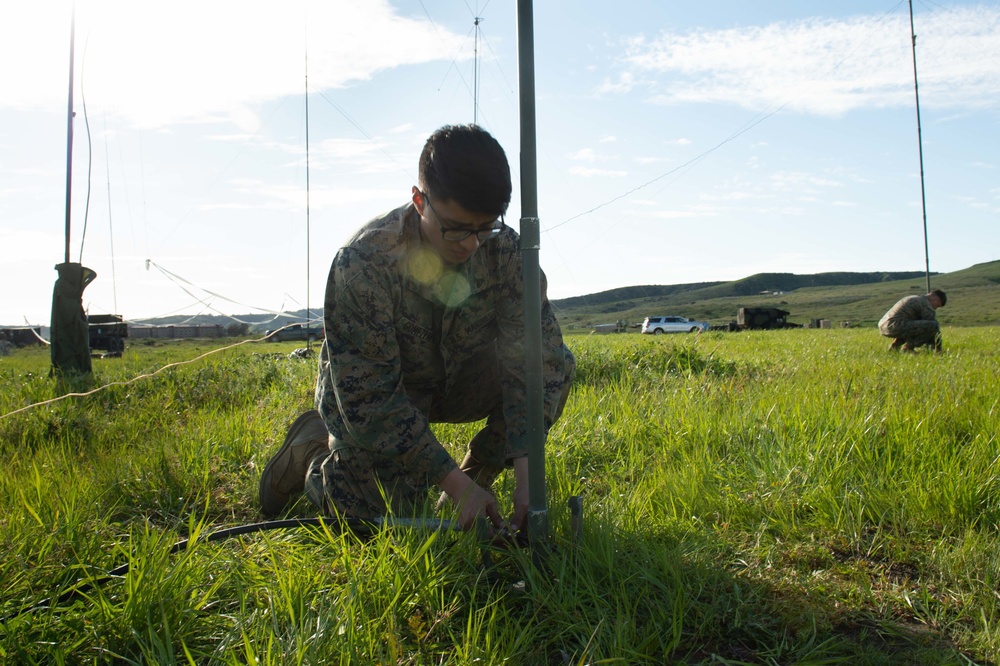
355,482
916,333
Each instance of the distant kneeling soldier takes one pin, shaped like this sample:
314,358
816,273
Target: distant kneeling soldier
911,322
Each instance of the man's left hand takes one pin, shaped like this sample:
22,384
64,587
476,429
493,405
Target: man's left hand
519,518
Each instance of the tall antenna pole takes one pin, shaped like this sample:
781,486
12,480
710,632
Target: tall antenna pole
538,520
308,313
475,77
920,144
69,132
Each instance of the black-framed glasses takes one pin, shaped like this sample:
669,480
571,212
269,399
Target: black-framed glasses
461,233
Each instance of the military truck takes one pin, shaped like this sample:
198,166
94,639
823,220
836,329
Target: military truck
107,332
748,319
22,335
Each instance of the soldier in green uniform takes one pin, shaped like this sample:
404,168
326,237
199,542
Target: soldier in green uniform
424,323
911,322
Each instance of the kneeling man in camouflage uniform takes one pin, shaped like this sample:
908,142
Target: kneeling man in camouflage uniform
424,323
911,322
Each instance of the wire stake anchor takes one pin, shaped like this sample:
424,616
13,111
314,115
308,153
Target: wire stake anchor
576,517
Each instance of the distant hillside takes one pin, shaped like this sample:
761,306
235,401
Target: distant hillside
624,294
255,322
858,298
749,286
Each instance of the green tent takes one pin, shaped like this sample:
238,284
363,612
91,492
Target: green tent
69,332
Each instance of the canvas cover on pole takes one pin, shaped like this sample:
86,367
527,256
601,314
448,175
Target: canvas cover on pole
69,332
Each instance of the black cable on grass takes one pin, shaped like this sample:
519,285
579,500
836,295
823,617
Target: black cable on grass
356,525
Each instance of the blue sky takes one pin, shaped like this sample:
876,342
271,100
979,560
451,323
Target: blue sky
677,142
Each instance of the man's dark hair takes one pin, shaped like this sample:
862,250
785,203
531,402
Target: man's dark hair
465,164
940,295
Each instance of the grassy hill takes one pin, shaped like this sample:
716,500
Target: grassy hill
859,298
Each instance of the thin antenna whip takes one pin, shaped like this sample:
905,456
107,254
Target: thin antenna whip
475,77
920,144
69,131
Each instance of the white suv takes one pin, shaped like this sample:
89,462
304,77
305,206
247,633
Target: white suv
657,325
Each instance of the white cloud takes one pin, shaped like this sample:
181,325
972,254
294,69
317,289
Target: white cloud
681,214
734,195
30,171
624,84
28,248
189,61
257,195
799,180
231,138
826,66
589,172
584,155
347,149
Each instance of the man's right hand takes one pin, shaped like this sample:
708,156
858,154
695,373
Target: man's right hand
471,500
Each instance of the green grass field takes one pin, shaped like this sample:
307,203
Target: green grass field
785,497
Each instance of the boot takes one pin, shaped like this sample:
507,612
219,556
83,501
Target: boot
285,473
896,344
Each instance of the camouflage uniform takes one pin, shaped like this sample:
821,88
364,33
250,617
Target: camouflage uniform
911,321
409,342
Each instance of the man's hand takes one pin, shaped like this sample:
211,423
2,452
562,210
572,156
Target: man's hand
518,520
471,500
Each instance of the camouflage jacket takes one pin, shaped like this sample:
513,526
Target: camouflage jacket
397,321
909,308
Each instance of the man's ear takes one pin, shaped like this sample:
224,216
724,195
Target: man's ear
418,199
